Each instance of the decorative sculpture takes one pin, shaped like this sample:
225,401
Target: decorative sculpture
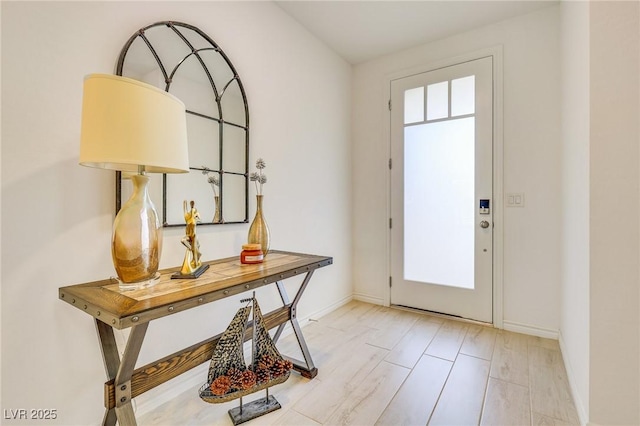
192,266
230,378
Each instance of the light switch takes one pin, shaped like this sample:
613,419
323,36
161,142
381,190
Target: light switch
515,199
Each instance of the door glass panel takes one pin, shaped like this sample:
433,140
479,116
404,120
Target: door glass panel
414,105
463,96
439,188
438,100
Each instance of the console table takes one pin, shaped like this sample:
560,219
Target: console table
112,308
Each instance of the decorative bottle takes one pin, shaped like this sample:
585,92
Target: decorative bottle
259,231
217,216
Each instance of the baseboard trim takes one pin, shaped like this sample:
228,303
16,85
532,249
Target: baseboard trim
577,401
369,299
196,377
530,329
322,312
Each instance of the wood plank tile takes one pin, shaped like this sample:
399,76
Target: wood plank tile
189,408
368,400
326,345
411,347
448,340
430,316
391,326
463,394
506,404
549,385
479,342
321,402
543,342
542,420
361,384
287,395
510,358
332,357
415,400
354,312
386,316
315,335
293,418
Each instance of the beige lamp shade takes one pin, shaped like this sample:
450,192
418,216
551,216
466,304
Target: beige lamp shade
127,123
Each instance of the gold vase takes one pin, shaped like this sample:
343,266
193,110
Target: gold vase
137,238
216,216
259,231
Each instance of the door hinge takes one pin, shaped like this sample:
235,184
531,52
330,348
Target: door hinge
390,223
389,104
390,164
390,282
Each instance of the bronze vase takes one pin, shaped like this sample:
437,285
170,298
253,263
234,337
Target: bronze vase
137,238
259,231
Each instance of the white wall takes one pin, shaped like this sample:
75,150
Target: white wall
574,319
57,225
614,210
531,163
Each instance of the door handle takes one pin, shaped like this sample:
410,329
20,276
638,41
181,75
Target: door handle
484,224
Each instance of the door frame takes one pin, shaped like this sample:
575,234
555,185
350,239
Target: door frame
498,166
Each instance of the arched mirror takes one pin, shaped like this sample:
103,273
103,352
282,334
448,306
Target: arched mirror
182,60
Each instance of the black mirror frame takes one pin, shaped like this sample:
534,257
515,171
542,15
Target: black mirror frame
174,26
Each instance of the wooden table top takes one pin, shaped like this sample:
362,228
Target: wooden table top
225,277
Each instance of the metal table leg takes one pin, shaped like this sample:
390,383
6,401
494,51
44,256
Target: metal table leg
306,367
120,370
111,360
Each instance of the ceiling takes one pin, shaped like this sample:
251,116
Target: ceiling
363,30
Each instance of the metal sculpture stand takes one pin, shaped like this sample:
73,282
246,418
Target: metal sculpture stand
195,274
254,409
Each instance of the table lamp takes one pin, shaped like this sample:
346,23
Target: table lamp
131,126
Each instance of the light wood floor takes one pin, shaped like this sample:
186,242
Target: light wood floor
386,366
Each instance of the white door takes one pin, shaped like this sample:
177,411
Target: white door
441,190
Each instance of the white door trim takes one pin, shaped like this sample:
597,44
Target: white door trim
498,169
